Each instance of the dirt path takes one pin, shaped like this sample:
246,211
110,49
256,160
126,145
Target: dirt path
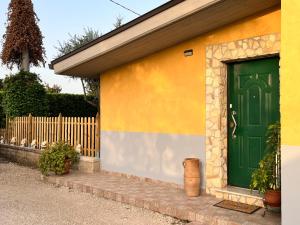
25,200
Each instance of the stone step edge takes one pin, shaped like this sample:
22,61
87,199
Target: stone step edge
238,193
239,197
154,206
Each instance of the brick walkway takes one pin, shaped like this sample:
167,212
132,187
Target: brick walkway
160,198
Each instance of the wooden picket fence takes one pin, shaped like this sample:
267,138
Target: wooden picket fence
74,130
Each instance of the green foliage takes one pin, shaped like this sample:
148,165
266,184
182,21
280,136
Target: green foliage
70,105
119,22
53,158
264,177
54,89
76,41
268,174
1,84
24,94
66,104
90,86
2,114
274,137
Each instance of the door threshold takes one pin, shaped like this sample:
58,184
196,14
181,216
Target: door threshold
240,191
238,194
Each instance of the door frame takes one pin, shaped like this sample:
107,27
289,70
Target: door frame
217,58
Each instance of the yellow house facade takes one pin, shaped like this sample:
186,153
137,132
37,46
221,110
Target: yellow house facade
159,102
198,79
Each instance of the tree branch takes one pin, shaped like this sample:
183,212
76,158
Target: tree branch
84,93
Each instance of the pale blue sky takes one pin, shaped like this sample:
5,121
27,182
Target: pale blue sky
58,18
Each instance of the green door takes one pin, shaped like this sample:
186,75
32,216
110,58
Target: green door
253,104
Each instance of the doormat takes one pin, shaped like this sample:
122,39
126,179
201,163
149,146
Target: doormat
237,206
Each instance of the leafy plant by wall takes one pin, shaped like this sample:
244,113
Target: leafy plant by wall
70,105
53,159
24,94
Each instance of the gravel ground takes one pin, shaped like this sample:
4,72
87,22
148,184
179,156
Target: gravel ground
25,200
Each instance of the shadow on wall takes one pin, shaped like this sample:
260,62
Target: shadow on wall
156,156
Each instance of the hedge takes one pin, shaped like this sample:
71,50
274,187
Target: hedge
24,94
2,114
70,105
66,104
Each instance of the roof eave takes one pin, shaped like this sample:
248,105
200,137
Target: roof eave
118,30
133,42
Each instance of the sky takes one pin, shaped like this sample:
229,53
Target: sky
60,18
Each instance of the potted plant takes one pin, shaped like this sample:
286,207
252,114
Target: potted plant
58,158
266,178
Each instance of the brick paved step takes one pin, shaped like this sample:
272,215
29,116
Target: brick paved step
159,198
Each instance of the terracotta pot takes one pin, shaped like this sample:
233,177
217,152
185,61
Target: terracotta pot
191,167
191,177
68,164
273,198
192,186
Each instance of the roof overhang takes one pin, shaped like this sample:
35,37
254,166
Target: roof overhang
165,26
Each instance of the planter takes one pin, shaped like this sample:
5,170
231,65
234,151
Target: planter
272,198
68,164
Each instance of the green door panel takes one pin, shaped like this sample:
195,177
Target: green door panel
253,102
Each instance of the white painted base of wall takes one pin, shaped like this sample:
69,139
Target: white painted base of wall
152,155
290,184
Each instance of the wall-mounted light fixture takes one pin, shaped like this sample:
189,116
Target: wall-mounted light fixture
188,52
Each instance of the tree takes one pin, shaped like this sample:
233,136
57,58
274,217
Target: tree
24,94
90,86
55,89
119,21
1,84
23,41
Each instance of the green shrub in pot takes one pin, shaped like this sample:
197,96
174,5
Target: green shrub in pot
57,158
267,177
264,178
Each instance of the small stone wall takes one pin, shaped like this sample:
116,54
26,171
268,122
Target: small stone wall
30,157
89,164
22,155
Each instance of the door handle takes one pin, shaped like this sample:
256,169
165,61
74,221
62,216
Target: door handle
233,113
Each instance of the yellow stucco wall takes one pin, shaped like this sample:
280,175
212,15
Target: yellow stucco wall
165,92
290,73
